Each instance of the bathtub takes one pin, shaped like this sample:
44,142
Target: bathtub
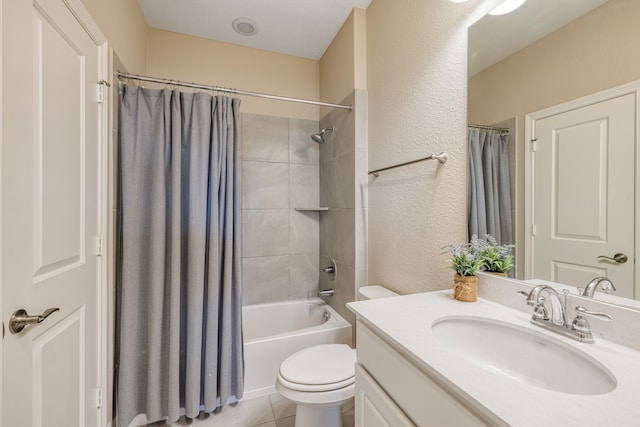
272,332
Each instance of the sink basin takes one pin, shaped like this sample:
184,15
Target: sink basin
524,355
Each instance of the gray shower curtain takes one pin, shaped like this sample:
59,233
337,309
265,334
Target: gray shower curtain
179,322
488,185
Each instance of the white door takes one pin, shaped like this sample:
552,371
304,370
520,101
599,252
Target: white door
51,215
583,194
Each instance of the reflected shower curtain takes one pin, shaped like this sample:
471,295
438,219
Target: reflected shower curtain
179,325
488,185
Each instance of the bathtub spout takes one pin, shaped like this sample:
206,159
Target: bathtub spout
326,293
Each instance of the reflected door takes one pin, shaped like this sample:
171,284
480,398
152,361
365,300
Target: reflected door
50,209
584,194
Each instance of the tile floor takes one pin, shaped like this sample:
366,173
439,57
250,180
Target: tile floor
268,411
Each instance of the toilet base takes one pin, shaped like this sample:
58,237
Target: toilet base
318,416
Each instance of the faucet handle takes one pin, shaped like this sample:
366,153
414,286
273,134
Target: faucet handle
531,298
539,311
581,325
603,316
331,269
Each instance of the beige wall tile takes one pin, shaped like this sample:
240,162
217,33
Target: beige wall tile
304,277
265,279
265,138
301,148
265,232
265,185
304,235
304,190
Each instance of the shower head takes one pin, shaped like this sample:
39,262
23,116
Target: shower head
319,137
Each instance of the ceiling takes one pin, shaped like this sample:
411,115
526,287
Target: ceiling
302,28
493,38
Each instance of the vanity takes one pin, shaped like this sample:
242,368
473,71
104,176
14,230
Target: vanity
426,359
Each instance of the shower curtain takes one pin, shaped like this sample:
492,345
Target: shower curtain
488,185
179,326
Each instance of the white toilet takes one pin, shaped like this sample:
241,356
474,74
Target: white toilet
320,379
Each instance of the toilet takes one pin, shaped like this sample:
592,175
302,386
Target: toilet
320,379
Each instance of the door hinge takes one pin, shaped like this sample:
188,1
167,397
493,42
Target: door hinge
100,90
98,398
534,229
534,145
99,245
100,93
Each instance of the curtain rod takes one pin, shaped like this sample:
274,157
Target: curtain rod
471,125
122,75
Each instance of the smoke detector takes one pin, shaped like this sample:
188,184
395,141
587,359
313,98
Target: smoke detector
245,26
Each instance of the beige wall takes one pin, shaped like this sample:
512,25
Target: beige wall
158,53
417,81
595,52
193,59
343,66
123,23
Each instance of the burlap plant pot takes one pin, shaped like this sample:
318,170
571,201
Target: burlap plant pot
465,288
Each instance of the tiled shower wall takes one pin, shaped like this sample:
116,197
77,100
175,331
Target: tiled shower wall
343,188
280,172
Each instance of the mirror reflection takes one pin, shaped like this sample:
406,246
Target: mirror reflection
558,79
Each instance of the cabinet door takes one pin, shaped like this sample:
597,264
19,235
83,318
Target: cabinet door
423,400
373,407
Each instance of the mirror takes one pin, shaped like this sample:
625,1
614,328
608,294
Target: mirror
546,53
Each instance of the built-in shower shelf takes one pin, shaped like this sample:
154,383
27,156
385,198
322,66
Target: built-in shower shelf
318,209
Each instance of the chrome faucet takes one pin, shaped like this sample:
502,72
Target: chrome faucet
605,284
579,329
558,316
326,293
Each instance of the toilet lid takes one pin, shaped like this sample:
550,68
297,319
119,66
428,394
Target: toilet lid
322,364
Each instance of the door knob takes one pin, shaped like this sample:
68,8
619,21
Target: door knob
619,258
20,318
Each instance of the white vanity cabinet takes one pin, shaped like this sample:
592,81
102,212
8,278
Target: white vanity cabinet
373,407
406,374
392,391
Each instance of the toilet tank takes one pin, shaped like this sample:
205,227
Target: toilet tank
374,292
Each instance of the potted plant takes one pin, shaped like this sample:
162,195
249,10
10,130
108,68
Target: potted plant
466,263
494,258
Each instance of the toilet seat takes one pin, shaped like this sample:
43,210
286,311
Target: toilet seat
317,369
317,387
318,399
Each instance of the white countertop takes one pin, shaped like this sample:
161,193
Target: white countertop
405,322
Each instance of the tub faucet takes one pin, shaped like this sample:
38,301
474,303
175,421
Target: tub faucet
326,293
606,285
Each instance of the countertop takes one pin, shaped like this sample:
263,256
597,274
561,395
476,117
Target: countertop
405,323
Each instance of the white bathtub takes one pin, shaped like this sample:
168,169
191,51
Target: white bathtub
272,332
